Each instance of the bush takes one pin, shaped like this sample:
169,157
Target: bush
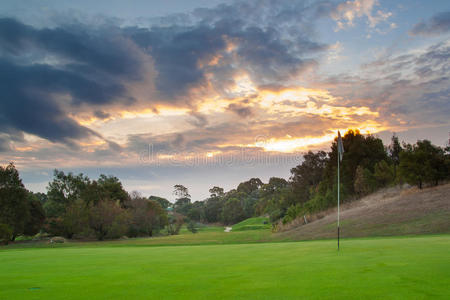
174,224
192,226
275,215
57,239
292,213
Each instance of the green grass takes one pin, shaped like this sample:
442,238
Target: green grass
202,228
257,223
208,236
384,268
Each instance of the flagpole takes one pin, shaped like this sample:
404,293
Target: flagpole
338,159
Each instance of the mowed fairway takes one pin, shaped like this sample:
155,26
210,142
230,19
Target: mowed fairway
385,268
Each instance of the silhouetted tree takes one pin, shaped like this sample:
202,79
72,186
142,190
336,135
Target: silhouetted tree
14,204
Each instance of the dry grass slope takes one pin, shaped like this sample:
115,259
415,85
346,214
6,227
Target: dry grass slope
389,212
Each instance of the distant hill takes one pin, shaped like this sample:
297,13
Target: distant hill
389,212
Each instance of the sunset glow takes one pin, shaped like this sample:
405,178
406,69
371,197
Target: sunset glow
165,95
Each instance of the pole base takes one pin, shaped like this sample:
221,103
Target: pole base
338,237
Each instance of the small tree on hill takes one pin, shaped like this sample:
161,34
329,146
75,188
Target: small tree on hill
423,163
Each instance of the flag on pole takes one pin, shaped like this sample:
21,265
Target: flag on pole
340,146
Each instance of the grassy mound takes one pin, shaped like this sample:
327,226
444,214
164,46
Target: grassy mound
257,223
384,268
388,212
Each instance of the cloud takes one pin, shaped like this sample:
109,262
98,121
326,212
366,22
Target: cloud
227,40
192,85
346,13
408,90
47,73
240,110
72,73
74,45
101,114
437,24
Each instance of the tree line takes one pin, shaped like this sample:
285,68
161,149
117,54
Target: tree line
76,206
367,165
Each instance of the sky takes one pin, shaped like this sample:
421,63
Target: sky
211,93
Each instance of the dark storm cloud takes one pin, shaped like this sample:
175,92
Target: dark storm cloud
176,53
437,24
48,72
268,44
88,66
98,49
27,103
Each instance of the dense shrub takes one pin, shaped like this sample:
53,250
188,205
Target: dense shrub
175,221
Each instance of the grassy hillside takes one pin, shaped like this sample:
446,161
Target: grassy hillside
386,213
257,223
389,268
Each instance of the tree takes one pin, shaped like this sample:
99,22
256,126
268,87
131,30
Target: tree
6,233
360,150
423,163
112,189
213,209
308,175
14,204
63,191
364,182
197,211
36,215
216,192
249,186
75,219
162,201
108,220
384,173
41,197
180,191
147,216
233,211
394,152
274,198
183,202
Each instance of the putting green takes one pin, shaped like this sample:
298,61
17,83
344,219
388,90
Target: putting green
385,268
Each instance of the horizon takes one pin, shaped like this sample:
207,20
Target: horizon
171,92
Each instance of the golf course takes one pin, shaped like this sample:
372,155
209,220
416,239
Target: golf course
390,258
415,267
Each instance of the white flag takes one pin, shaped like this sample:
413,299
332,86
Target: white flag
340,146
